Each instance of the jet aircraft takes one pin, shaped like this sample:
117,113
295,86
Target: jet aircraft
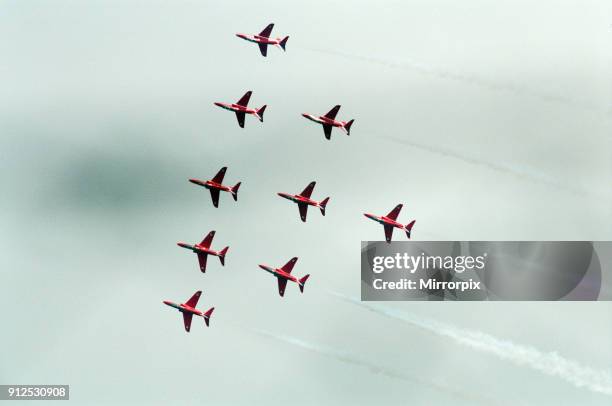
188,309
389,222
303,200
203,250
284,274
241,109
263,39
215,186
329,121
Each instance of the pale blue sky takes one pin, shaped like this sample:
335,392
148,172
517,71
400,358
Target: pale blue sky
488,120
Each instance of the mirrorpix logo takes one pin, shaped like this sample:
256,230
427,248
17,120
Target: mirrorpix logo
425,272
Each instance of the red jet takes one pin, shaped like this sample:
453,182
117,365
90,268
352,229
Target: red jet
215,186
263,39
329,121
303,200
241,109
203,250
284,274
389,222
188,309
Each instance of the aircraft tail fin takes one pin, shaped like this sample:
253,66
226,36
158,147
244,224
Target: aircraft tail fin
347,127
207,316
323,204
302,282
283,43
408,227
222,255
234,191
260,112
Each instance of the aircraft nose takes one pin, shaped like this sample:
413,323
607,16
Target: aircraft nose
218,104
305,115
193,180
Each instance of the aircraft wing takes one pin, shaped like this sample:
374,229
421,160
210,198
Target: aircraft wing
193,301
388,232
395,212
263,48
282,284
303,210
202,260
208,240
220,175
244,100
187,320
240,116
308,190
289,265
214,194
332,113
266,31
327,129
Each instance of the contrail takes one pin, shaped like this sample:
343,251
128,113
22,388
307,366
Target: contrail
549,363
522,173
348,358
469,79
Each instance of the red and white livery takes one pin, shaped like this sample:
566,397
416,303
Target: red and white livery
241,109
263,40
284,274
329,121
215,186
389,222
188,309
203,250
303,200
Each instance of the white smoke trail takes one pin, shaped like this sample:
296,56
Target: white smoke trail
549,363
520,172
470,79
348,358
